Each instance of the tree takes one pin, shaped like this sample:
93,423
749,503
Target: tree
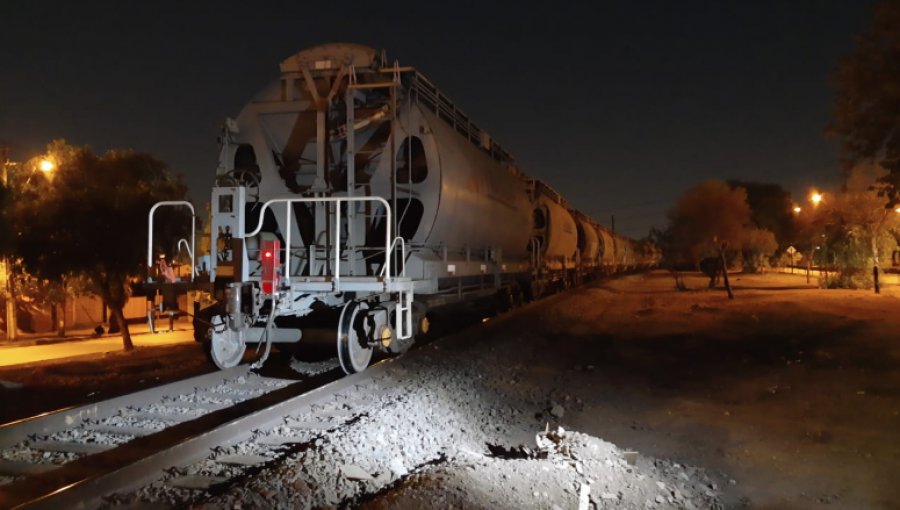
709,224
770,209
867,97
705,217
758,247
90,218
858,228
6,230
7,238
712,224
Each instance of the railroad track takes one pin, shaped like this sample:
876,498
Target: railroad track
190,439
77,458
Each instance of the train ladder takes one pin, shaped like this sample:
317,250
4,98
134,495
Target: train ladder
403,318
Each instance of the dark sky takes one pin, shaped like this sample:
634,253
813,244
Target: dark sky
620,106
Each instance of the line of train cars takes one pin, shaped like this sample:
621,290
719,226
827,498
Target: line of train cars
353,193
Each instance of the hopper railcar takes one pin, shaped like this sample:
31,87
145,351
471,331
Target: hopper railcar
353,188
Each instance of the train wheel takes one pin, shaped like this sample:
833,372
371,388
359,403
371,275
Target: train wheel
526,291
421,323
503,301
202,320
539,290
517,298
226,347
559,285
354,329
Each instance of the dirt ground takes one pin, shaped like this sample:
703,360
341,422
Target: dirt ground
792,391
788,394
30,389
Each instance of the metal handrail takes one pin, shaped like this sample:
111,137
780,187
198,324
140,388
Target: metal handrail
428,93
402,253
191,253
150,231
535,252
337,229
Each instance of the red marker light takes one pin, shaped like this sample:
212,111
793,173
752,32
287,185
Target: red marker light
270,265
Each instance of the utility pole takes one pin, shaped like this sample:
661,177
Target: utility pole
11,326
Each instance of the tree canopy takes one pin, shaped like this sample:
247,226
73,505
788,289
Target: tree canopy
859,230
713,214
89,217
867,97
6,223
708,211
770,209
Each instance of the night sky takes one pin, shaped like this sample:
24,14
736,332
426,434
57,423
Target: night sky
620,106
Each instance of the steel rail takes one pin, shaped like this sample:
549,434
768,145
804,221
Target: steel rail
83,482
69,417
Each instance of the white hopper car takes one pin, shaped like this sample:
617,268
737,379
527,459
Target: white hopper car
353,188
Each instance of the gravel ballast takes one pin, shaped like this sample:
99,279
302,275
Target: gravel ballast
445,427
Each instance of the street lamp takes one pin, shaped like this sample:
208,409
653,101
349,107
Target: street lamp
815,197
791,250
7,273
47,166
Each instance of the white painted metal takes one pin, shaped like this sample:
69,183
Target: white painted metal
560,237
227,345
388,245
190,251
343,147
353,355
150,216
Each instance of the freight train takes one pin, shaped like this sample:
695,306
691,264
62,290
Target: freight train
353,188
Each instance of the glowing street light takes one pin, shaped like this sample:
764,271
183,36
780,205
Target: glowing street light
815,198
5,165
797,209
46,166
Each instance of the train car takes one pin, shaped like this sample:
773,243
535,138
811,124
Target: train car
588,245
608,260
353,189
554,238
625,253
